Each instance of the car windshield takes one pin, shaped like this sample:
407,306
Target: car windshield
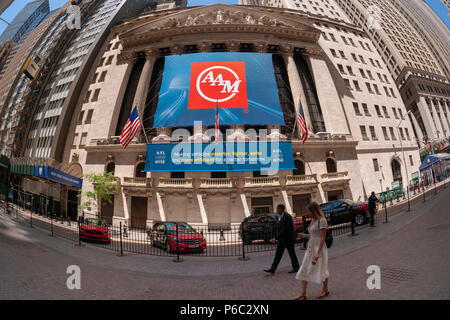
93,221
183,227
330,205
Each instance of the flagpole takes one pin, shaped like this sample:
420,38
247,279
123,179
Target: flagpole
295,123
142,124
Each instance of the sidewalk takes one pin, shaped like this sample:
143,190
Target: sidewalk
412,251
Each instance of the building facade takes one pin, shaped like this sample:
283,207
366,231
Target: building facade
352,107
416,58
25,21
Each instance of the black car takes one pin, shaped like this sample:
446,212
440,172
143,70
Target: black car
259,227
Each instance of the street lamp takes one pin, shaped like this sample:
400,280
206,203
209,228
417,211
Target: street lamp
404,160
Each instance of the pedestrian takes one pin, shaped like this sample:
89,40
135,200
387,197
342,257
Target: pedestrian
285,239
372,206
315,261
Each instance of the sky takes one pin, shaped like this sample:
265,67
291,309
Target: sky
17,5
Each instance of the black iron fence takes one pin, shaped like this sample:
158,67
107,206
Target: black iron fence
176,239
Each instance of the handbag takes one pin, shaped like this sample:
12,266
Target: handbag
328,237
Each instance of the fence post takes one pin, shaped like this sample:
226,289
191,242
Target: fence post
386,214
243,257
435,190
31,218
178,250
79,234
353,216
51,226
121,243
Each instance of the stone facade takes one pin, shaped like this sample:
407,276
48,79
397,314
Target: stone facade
344,160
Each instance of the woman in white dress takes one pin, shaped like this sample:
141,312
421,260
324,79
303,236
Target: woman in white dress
315,262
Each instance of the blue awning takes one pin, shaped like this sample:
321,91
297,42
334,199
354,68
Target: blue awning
432,159
58,176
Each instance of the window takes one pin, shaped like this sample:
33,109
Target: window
369,88
356,108
342,54
218,175
364,132
385,133
373,133
377,109
347,84
411,160
391,130
94,79
407,134
80,117
102,77
366,109
331,165
341,68
109,61
386,114
401,133
376,167
139,171
89,117
299,168
395,113
96,94
356,84
83,139
86,98
111,167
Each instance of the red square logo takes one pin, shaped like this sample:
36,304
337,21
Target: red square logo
217,81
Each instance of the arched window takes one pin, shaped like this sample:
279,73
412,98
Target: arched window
396,170
110,167
139,172
299,168
331,165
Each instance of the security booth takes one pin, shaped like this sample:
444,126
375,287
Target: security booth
435,167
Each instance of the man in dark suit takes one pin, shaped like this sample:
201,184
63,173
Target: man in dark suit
286,240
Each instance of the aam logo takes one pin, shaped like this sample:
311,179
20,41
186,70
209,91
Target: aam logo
222,82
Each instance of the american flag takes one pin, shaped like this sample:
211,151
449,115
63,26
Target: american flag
217,123
302,123
131,128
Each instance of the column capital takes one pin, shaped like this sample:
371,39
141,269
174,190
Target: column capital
127,57
204,46
312,53
261,46
232,45
287,50
151,54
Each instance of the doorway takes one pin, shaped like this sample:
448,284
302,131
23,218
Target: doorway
72,204
138,212
300,202
396,171
107,211
262,205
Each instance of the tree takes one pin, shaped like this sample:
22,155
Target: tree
104,185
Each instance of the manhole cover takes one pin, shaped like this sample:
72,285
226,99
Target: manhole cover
397,274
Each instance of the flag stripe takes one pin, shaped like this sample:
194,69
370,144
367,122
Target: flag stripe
130,129
302,124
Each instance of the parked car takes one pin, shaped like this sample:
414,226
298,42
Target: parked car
259,227
338,211
164,235
95,230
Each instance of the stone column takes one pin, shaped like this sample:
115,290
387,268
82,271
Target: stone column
427,118
437,121
298,94
327,93
417,129
144,81
443,122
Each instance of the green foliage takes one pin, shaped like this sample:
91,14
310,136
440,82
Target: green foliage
104,186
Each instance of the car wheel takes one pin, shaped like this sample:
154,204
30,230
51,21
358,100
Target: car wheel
360,219
168,248
247,239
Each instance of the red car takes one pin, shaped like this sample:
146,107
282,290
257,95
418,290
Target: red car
95,230
164,235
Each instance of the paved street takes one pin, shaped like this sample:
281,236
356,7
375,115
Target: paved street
412,251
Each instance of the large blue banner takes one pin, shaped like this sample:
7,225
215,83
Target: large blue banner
58,176
240,85
228,156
